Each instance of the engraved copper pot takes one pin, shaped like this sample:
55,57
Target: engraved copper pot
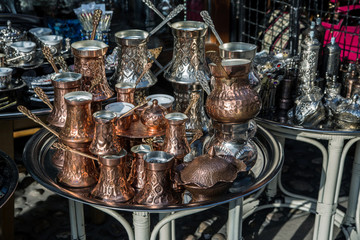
63,83
153,116
234,140
137,175
58,157
105,141
125,92
112,185
90,62
78,131
133,55
164,100
232,100
157,191
121,108
78,171
175,141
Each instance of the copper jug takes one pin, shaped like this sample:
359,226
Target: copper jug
175,141
125,92
137,173
112,185
232,100
63,83
105,141
157,191
78,131
90,62
78,171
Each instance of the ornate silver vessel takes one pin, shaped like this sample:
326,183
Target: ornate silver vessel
331,58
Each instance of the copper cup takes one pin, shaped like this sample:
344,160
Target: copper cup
125,92
78,131
119,108
157,191
112,186
78,171
63,83
137,173
105,140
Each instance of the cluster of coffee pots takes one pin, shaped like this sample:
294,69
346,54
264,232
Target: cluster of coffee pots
126,169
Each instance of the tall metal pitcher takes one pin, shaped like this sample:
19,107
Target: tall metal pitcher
133,57
187,65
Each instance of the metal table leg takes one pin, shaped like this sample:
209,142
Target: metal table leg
326,205
77,226
165,231
234,224
141,221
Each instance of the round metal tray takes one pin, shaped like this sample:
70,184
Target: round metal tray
37,159
9,176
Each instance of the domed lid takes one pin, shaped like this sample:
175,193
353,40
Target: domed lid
208,169
11,34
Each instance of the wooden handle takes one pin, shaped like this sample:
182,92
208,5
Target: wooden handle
42,95
96,20
47,53
33,117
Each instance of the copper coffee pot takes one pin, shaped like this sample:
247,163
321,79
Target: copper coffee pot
78,171
63,83
78,131
105,141
89,61
232,100
153,116
121,108
125,92
137,174
112,186
157,191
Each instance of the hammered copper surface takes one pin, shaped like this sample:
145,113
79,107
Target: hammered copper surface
199,194
175,141
63,83
137,175
78,171
78,131
139,130
112,185
207,170
58,158
90,62
105,141
125,92
157,190
233,100
153,117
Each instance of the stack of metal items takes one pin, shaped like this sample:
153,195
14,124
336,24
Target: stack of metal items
311,89
149,149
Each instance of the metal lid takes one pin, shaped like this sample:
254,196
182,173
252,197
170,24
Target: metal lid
11,34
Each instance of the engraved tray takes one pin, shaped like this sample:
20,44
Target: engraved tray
37,159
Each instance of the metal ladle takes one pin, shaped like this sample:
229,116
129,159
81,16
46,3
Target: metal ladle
207,19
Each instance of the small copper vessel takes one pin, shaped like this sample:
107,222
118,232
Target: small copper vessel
78,131
120,108
157,191
153,116
232,100
105,141
89,61
175,141
78,171
137,173
125,92
209,176
58,158
112,185
63,83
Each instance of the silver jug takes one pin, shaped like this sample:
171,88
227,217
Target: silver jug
133,55
188,61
